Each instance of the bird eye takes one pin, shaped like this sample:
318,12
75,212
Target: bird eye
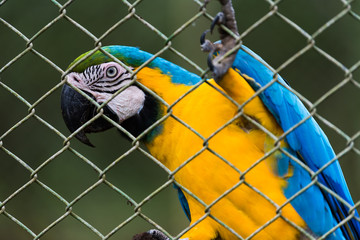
111,72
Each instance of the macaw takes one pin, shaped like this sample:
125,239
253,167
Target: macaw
242,143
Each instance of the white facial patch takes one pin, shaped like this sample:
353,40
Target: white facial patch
126,104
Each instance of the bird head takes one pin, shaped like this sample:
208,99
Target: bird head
100,78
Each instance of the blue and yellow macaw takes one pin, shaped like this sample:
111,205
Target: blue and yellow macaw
295,191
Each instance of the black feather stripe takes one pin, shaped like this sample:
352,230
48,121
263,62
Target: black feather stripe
148,115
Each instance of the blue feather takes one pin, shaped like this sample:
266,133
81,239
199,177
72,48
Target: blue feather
183,201
320,210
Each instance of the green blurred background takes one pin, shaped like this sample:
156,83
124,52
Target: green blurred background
311,75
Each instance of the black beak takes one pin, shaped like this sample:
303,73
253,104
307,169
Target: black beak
77,110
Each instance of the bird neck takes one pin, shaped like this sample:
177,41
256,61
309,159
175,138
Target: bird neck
157,101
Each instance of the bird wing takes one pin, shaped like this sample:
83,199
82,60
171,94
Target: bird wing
308,143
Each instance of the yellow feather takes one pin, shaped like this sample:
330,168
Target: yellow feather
207,176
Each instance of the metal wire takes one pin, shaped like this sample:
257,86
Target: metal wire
70,211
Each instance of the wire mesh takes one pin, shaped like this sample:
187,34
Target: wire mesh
54,188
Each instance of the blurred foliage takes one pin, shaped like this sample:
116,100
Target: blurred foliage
312,75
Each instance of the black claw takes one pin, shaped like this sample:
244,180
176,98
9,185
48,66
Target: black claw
219,18
206,45
202,37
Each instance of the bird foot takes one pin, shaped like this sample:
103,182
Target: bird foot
219,65
152,234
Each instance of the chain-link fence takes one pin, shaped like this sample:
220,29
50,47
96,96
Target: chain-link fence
52,187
